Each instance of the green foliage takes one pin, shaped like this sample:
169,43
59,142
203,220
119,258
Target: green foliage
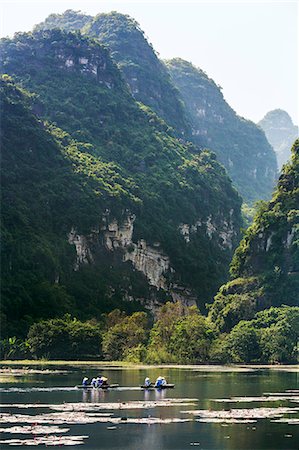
265,266
271,337
126,338
242,343
13,348
65,338
145,74
70,21
180,334
237,300
191,339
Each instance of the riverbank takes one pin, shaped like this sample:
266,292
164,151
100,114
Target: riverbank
26,364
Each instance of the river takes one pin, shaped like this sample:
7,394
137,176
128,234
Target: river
209,408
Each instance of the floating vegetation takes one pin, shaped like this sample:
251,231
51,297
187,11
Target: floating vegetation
38,389
225,422
75,418
27,371
105,406
47,440
34,429
287,420
264,398
241,414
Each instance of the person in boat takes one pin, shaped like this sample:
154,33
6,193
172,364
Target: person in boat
93,382
102,381
160,381
85,381
147,382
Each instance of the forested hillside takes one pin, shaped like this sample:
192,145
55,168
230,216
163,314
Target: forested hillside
185,98
239,144
265,267
154,204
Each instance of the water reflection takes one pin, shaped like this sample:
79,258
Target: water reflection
204,386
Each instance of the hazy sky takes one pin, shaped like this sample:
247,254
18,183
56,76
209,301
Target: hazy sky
250,48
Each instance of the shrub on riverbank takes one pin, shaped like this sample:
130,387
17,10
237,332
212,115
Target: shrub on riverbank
65,338
179,335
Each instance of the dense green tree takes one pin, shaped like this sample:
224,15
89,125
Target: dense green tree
65,338
191,339
243,344
126,337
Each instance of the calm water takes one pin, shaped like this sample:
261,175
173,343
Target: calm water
202,386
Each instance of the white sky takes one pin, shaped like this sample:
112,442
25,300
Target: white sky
250,48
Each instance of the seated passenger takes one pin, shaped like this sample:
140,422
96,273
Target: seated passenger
147,382
104,381
94,382
85,381
99,381
158,382
164,382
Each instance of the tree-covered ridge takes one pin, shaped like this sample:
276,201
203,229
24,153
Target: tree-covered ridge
123,152
70,20
239,144
146,75
265,266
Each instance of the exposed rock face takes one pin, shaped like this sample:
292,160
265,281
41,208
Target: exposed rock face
224,231
152,262
238,143
280,132
81,244
149,260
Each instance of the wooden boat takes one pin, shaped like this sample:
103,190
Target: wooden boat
152,386
105,386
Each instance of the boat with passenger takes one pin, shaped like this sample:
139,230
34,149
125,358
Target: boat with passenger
160,383
99,382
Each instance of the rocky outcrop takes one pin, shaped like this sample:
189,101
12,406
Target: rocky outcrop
150,260
224,230
83,251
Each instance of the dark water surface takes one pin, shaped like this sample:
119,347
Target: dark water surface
203,386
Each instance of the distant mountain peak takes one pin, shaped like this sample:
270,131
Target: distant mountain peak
280,132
